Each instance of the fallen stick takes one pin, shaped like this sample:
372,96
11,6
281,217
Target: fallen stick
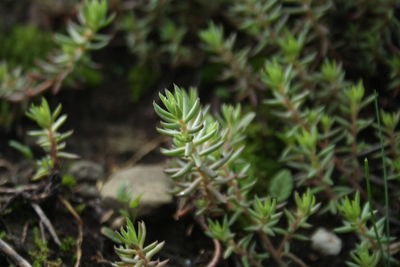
5,190
217,254
24,232
46,222
10,252
80,230
217,246
144,150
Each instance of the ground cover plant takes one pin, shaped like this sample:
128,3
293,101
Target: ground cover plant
275,121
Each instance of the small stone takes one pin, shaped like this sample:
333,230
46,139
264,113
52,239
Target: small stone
326,242
84,170
147,181
122,138
87,190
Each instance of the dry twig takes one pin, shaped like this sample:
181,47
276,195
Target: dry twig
217,246
10,252
80,230
6,190
145,149
42,233
217,254
295,259
46,222
24,232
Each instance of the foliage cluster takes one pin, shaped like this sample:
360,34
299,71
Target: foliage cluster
285,58
303,68
132,250
82,37
211,178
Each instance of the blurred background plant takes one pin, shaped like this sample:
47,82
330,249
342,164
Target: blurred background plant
20,39
21,79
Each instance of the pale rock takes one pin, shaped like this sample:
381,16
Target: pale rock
85,170
149,181
326,242
122,139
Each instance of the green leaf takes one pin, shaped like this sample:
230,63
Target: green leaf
211,149
193,186
68,180
134,203
24,150
175,152
155,250
184,170
171,133
193,111
281,185
111,234
165,115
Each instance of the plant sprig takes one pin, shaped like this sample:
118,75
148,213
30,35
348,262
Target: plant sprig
132,250
49,138
16,85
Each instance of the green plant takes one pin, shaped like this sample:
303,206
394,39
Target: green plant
308,68
15,85
132,250
139,29
372,239
281,50
237,61
67,244
49,138
363,258
202,143
211,177
160,35
129,204
20,39
40,255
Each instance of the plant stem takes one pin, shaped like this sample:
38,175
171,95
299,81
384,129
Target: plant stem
289,234
295,259
267,244
80,229
385,178
217,254
369,192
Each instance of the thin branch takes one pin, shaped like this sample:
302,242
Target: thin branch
267,244
294,258
10,252
46,222
217,246
144,150
42,233
217,254
80,230
6,190
24,232
183,211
